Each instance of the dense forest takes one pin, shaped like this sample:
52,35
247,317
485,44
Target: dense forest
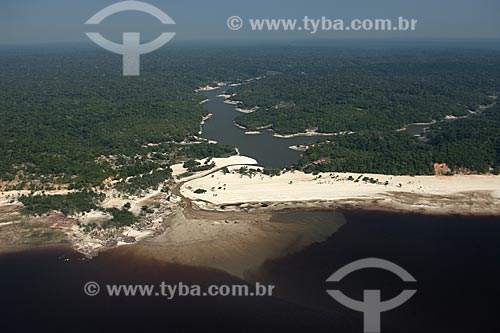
472,143
466,145
68,118
371,152
379,90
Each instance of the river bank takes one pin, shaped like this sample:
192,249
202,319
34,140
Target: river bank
262,145
466,195
452,258
232,204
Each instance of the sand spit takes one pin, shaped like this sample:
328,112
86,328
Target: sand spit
252,110
308,133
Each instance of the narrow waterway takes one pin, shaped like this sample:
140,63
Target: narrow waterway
268,150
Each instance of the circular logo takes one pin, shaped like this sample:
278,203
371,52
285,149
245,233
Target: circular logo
91,289
235,23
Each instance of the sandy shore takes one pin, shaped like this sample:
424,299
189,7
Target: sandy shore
242,220
215,86
242,110
239,126
427,194
178,169
301,148
309,133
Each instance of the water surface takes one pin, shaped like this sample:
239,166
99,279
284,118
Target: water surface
268,150
454,259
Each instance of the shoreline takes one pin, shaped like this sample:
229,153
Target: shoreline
242,110
235,242
236,214
348,206
13,249
203,121
442,195
309,134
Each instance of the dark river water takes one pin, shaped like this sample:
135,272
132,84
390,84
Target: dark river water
268,150
455,260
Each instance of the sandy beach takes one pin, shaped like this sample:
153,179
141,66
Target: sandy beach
309,133
242,110
472,194
178,169
242,220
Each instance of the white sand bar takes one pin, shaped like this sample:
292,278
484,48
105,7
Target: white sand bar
293,187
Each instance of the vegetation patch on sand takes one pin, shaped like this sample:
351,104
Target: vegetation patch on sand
472,194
